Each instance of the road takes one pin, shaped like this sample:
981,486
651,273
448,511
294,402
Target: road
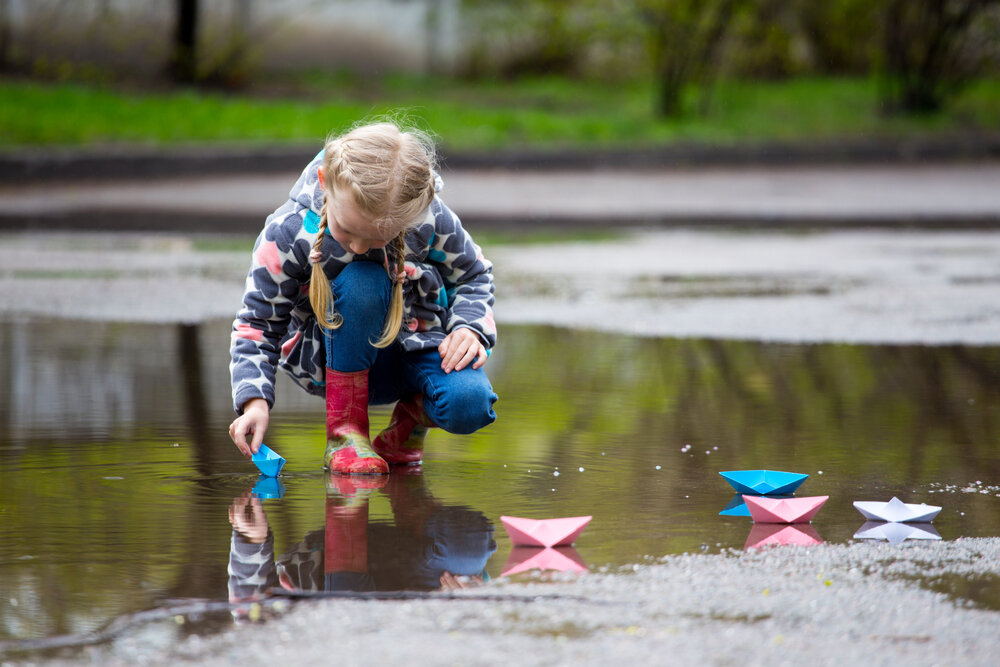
947,195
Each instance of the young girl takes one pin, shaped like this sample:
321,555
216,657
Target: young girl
365,288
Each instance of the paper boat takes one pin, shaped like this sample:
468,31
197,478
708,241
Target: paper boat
897,510
784,510
268,488
268,461
544,532
896,532
764,482
772,534
560,559
738,507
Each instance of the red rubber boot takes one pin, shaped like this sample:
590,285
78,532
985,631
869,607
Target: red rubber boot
348,449
402,441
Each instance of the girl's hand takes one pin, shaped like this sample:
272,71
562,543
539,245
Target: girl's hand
459,349
253,422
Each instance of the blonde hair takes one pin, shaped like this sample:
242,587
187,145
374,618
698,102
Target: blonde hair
389,173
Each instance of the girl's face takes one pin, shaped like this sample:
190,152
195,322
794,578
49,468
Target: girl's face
352,229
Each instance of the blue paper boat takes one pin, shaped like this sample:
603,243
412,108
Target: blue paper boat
268,461
268,488
738,507
764,482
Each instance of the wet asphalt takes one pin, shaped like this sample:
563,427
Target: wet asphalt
878,254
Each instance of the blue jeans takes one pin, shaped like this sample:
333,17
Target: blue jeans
459,402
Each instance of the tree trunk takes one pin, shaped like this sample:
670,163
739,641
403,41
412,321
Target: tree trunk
183,63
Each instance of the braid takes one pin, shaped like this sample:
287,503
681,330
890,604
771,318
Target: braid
394,318
320,293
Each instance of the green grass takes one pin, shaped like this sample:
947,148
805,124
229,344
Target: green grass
544,112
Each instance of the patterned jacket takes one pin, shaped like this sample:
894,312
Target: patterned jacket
449,284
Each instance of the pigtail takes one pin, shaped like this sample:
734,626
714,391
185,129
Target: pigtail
320,292
394,318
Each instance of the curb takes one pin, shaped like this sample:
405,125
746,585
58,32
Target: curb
124,220
41,165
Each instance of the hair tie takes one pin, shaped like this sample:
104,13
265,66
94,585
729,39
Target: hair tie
315,256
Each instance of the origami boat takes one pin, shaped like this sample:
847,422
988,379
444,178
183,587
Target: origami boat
560,559
738,507
544,532
268,461
896,532
773,534
268,488
898,511
764,482
784,510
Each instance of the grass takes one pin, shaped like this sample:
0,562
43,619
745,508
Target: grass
542,112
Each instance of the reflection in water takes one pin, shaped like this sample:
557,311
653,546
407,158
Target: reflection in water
429,545
772,534
558,559
895,532
116,470
268,488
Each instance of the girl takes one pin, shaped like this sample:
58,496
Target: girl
365,288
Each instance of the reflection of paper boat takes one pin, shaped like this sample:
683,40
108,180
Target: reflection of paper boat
764,482
561,559
896,532
897,510
544,532
268,487
738,507
768,534
268,461
784,510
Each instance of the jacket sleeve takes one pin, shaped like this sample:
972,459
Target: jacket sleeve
278,274
251,568
467,274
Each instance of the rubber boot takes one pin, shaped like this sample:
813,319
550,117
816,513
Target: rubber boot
348,449
402,441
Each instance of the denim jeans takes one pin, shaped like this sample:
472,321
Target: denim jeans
459,402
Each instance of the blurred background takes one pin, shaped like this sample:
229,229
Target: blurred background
487,74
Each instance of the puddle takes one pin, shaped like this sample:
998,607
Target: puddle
981,592
117,477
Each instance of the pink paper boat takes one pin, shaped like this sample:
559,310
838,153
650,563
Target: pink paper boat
544,532
784,510
773,534
560,559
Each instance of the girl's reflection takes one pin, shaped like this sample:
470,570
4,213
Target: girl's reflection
429,545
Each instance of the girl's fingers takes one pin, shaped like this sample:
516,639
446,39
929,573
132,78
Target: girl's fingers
238,432
454,355
469,355
480,358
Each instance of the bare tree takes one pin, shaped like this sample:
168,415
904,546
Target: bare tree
925,59
684,38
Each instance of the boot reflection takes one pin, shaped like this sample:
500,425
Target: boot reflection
426,545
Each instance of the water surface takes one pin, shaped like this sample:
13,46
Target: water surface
117,477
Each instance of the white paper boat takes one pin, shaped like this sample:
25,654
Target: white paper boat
898,511
896,532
